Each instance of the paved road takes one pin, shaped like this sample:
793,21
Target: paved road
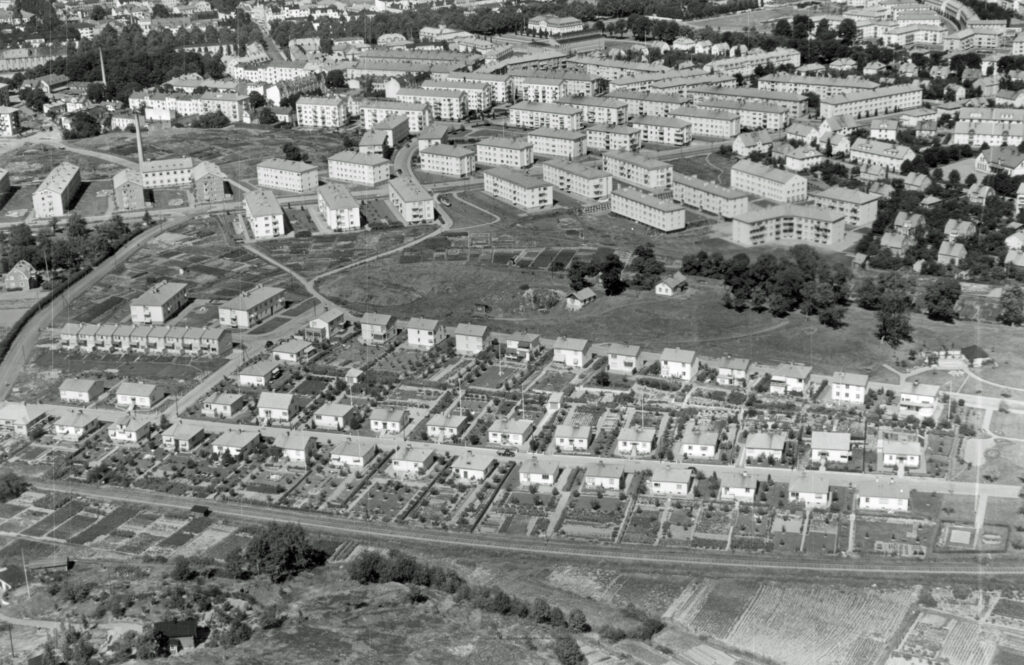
372,532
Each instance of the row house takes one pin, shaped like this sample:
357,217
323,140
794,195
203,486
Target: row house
144,339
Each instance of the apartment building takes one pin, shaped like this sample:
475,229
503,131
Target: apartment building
287,175
858,208
977,134
823,86
415,205
558,143
159,303
527,115
669,130
209,183
519,189
639,170
752,115
497,151
10,122
577,179
338,207
598,110
264,214
746,64
647,103
604,138
54,194
251,308
788,223
882,100
501,86
661,214
355,167
795,105
880,153
709,122
449,160
768,182
374,110
540,89
479,96
172,172
708,196
322,112
126,183
444,104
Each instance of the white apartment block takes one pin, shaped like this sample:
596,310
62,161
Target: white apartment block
264,214
10,123
713,123
419,115
753,115
527,115
880,153
598,110
823,86
444,104
858,208
661,214
355,167
479,96
449,160
615,138
647,103
54,194
558,143
323,112
415,205
669,130
159,303
767,182
501,86
251,308
795,105
873,102
848,387
338,208
540,90
638,170
172,172
746,64
519,189
708,196
577,179
287,175
513,153
788,223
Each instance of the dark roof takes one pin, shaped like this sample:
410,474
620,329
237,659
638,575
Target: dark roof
973,352
172,629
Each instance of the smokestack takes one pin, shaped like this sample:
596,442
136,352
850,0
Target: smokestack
138,140
103,69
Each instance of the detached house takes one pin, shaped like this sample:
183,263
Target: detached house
129,429
353,453
234,442
470,340
182,438
411,461
577,300
811,489
766,445
139,395
572,438
258,375
522,346
538,472
510,432
75,426
377,329
276,408
740,487
22,277
443,429
830,447
296,447
293,351
623,358
670,480
223,405
388,420
731,371
879,495
605,476
671,285
473,468
424,333
849,387
635,440
677,364
80,391
790,378
701,441
334,417
571,351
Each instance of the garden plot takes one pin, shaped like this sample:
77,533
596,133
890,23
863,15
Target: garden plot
712,529
643,526
786,531
383,501
965,538
437,506
7,511
948,640
553,380
681,522
1008,612
55,519
592,517
232,542
31,550
823,533
206,540
894,536
752,528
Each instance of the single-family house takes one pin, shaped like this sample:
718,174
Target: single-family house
322,328
133,395
223,405
811,489
276,408
766,446
353,453
234,442
605,476
388,420
21,418
671,285
21,277
670,480
80,391
75,426
470,339
293,351
918,399
510,432
730,371
183,437
572,438
129,429
377,329
577,300
880,495
409,461
738,486
900,449
333,416
537,471
258,375
849,387
633,440
623,358
296,447
473,468
443,428
522,346
424,334
571,351
701,441
789,378
830,447
677,364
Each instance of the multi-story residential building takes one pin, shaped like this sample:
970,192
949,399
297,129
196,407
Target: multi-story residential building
444,104
658,213
540,89
795,105
159,303
415,205
753,115
519,189
352,166
880,153
128,191
639,170
669,130
55,192
708,196
768,182
209,183
614,138
450,160
558,143
527,115
251,308
338,208
479,96
598,110
287,175
646,103
324,112
613,69
377,329
858,208
578,179
713,123
882,100
677,364
172,172
513,153
555,26
823,86
500,85
420,115
848,387
788,223
264,214
424,333
746,64
977,134
10,123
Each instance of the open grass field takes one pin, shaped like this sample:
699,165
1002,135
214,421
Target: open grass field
746,20
314,256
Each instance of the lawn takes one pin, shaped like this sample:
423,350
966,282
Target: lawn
1006,424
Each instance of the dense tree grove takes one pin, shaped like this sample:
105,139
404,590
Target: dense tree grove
11,486
76,247
277,550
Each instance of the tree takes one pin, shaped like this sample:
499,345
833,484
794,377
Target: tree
98,13
940,299
266,116
11,486
256,99
34,98
214,120
567,651
96,91
335,78
610,270
647,267
181,570
1011,305
894,327
577,274
161,11
279,550
292,152
577,621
